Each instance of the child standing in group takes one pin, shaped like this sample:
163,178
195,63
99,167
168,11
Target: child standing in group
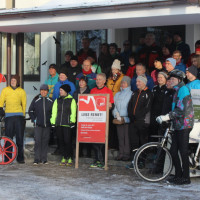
40,114
64,118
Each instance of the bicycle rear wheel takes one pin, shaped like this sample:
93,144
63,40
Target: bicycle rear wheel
8,150
152,162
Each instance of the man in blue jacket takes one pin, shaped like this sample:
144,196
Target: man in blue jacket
179,64
62,81
141,71
193,82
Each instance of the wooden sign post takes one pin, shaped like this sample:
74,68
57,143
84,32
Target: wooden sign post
92,122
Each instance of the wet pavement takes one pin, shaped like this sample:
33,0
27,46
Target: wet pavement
54,182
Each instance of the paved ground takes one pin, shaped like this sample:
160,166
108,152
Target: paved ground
54,182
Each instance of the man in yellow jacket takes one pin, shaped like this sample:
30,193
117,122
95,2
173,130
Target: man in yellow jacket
13,98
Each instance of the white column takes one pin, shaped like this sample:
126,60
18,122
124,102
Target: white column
111,36
48,53
192,35
121,36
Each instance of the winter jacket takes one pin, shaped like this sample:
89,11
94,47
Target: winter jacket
40,110
125,59
148,54
140,105
64,111
96,68
182,113
82,55
72,72
150,83
181,66
131,71
158,99
14,100
104,63
91,79
193,84
114,85
77,92
167,103
121,100
51,81
56,92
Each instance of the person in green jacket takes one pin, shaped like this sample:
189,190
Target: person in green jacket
64,118
95,67
52,80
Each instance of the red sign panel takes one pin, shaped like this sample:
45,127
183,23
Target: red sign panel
92,118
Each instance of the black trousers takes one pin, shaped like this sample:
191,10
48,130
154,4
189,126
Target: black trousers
138,135
180,142
14,126
65,141
99,150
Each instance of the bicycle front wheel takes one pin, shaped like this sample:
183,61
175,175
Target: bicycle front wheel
152,162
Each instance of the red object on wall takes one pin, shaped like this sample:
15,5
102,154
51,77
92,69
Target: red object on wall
92,118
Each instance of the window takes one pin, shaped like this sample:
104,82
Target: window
32,56
3,53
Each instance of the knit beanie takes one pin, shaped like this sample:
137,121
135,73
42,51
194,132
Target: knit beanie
52,66
44,87
193,70
17,78
172,61
63,71
142,78
66,88
164,74
74,58
127,79
116,64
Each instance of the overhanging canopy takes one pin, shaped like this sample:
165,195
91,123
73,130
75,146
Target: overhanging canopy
99,16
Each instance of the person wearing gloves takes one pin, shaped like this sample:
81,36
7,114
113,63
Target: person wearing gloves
13,98
64,118
139,113
40,114
182,116
121,120
115,78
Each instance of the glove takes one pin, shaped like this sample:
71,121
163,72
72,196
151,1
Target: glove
118,116
162,118
72,125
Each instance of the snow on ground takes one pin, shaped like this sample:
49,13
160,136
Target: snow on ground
54,182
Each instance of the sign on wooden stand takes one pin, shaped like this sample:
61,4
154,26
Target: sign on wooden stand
92,122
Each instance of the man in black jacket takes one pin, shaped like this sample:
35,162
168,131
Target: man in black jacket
74,69
40,114
139,113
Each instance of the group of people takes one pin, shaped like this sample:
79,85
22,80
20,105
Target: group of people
145,89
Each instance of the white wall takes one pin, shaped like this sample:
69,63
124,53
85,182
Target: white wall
29,3
192,35
2,4
48,53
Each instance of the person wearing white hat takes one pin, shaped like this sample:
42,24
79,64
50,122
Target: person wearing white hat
115,78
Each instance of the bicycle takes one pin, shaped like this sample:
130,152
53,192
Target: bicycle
153,162
8,148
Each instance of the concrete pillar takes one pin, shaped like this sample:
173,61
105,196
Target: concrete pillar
10,4
48,53
192,35
111,36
